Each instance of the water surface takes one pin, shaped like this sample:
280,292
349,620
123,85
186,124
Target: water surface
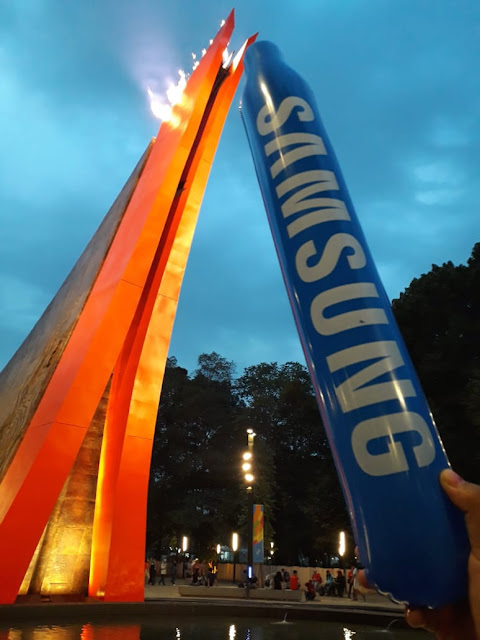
186,627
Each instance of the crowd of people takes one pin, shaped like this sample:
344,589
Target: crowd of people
282,580
167,566
336,586
198,573
460,620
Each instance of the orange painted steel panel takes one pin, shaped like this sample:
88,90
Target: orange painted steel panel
75,388
121,576
119,406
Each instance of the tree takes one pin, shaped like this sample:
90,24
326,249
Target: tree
192,488
439,317
282,409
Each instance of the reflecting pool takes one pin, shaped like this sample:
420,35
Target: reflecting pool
202,627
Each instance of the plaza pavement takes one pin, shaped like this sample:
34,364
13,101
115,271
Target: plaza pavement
165,600
373,601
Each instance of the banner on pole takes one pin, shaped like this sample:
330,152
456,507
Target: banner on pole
258,553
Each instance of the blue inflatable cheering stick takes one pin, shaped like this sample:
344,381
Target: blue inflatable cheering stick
386,447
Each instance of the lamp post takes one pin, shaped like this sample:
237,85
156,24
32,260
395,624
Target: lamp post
184,549
341,546
234,549
247,467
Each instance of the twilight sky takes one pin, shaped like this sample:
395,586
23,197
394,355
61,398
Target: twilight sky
397,85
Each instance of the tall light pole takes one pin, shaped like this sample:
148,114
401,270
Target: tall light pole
341,546
247,467
184,549
234,549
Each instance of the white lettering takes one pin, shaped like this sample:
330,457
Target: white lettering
329,259
337,211
300,201
394,461
350,319
269,121
325,181
354,392
312,145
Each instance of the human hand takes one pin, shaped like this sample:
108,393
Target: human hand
461,620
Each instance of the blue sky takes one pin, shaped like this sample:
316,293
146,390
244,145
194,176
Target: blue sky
397,85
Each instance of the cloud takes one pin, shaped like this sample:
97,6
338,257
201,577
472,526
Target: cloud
398,91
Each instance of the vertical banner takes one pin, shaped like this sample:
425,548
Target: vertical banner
258,554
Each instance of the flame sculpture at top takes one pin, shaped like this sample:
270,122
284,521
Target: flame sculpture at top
79,398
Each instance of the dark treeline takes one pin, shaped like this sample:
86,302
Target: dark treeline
196,482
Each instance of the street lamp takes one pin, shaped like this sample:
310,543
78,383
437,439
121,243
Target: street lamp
234,549
249,479
341,546
184,549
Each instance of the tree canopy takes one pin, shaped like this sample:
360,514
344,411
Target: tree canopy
439,317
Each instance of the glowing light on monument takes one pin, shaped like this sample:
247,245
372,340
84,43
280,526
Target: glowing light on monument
100,363
159,108
162,109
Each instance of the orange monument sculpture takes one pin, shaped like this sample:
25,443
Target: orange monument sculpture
78,400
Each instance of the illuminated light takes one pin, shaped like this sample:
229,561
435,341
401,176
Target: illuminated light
159,109
239,56
175,91
246,466
250,431
341,544
232,631
177,633
348,634
249,477
268,97
184,543
247,455
226,58
218,549
234,541
272,545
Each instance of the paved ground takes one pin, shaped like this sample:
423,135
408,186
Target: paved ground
372,600
165,600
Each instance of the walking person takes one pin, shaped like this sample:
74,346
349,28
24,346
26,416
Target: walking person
163,570
317,581
350,581
152,571
172,565
356,585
